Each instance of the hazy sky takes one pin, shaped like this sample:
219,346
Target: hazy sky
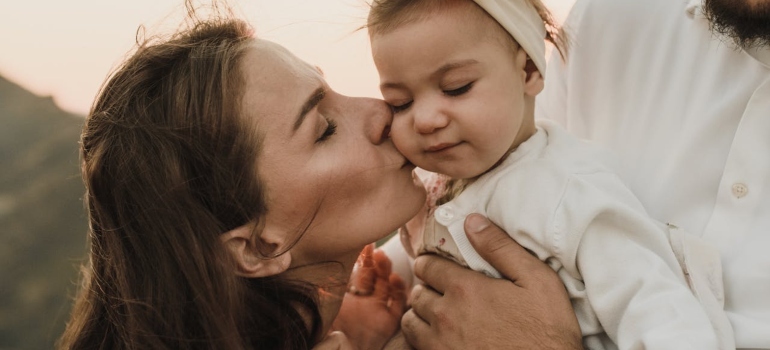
67,48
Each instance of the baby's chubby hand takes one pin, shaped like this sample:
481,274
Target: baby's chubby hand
374,303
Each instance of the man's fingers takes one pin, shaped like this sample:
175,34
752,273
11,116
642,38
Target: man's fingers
416,331
423,302
439,273
500,250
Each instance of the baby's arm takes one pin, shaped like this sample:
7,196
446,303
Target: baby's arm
632,279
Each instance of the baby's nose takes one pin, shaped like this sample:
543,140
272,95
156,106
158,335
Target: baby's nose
426,122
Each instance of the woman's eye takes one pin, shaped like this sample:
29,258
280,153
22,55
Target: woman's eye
400,108
459,91
331,129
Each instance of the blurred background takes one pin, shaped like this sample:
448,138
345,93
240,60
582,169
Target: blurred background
54,55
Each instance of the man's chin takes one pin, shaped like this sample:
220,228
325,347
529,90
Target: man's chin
746,22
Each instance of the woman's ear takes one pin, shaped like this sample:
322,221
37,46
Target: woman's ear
242,242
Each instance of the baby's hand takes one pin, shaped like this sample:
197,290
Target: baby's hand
372,308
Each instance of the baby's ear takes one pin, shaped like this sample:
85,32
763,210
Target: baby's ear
533,80
243,243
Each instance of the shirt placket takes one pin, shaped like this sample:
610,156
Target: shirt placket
741,189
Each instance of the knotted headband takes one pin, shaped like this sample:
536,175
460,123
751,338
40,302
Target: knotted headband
521,20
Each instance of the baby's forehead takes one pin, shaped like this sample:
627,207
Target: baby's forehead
465,13
388,15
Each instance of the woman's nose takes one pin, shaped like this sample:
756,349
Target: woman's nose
427,121
377,118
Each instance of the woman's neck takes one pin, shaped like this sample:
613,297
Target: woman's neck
331,278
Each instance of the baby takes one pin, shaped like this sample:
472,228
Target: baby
461,77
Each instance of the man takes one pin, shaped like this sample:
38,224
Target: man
680,90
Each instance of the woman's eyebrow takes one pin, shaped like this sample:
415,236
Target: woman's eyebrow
312,101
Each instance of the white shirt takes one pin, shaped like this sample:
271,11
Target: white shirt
689,114
555,198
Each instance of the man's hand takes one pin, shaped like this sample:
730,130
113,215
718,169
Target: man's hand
372,308
458,308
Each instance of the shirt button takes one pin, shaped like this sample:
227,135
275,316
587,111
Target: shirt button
445,214
740,190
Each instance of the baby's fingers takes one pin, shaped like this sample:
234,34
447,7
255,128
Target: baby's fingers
365,258
364,273
391,293
382,264
397,300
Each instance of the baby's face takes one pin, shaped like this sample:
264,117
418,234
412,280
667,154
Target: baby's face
456,91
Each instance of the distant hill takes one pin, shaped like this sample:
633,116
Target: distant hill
42,221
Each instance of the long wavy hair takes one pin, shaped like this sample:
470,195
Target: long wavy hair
169,164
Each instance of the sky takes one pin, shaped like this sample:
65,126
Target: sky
66,49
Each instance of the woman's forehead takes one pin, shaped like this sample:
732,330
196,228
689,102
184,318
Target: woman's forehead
267,61
267,46
276,82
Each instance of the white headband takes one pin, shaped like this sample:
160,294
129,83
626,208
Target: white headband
521,20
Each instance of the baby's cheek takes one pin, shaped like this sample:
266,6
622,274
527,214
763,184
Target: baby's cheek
403,140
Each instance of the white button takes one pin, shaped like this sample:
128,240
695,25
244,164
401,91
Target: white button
445,213
740,190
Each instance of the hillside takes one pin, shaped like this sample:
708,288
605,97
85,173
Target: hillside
42,221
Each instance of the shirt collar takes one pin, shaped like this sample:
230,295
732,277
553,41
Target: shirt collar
761,54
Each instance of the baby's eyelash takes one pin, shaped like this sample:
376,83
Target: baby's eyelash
331,129
400,108
459,91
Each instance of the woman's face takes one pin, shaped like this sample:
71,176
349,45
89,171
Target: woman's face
329,168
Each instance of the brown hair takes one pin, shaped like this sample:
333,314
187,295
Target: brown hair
387,15
169,165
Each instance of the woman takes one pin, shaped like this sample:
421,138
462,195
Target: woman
218,168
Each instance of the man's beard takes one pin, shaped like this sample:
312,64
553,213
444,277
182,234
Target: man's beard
747,25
